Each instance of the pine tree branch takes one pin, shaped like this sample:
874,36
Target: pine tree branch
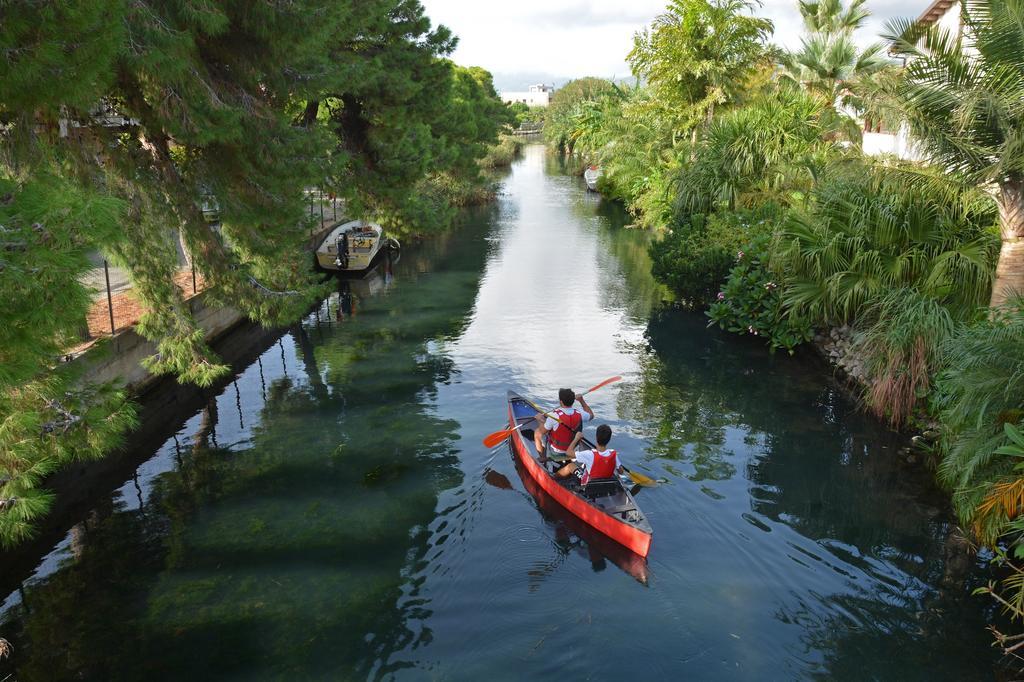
65,423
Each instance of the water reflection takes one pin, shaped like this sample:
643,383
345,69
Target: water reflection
277,540
720,412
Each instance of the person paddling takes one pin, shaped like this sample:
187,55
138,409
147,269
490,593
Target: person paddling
601,462
562,425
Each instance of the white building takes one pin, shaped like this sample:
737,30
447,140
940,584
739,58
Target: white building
537,96
877,140
945,13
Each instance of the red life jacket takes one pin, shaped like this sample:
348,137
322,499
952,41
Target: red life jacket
604,465
568,424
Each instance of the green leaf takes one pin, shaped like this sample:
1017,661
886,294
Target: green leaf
1014,434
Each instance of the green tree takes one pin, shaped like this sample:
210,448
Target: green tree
116,117
48,226
767,151
466,134
962,100
829,63
698,54
558,120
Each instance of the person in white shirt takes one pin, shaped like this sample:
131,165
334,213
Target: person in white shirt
601,462
563,424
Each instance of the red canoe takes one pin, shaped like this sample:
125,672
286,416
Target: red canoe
605,505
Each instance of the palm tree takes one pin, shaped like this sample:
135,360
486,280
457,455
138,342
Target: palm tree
876,229
963,98
829,16
765,152
829,63
699,53
830,66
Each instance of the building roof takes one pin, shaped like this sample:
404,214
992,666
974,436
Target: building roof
934,11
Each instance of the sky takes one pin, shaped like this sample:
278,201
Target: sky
529,41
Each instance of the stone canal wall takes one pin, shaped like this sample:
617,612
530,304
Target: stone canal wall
120,357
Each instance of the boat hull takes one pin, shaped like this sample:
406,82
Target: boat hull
598,545
357,263
367,243
629,536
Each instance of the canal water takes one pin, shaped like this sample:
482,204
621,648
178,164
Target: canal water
331,513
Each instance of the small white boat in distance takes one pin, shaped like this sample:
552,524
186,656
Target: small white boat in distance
352,246
590,176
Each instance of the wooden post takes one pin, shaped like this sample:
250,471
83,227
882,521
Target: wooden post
110,299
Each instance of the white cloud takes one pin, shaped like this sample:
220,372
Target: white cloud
571,38
560,37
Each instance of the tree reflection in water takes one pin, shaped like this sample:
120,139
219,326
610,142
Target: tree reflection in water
282,547
810,461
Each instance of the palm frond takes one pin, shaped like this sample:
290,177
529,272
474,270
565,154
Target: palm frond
875,229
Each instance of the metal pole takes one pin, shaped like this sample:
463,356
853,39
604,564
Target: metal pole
321,196
110,299
334,209
193,277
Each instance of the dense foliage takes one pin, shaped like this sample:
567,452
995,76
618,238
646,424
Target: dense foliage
696,58
696,256
768,152
118,119
772,218
962,99
980,391
751,301
559,120
871,230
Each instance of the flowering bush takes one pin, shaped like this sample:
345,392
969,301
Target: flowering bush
751,301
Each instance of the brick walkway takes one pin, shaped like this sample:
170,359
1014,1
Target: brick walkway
127,310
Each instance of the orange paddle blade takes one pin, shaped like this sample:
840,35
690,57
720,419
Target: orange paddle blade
612,380
497,437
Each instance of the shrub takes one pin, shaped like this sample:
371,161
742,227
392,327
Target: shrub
980,389
872,229
695,259
901,342
503,153
751,301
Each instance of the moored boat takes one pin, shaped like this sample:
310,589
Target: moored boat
605,505
352,246
590,176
